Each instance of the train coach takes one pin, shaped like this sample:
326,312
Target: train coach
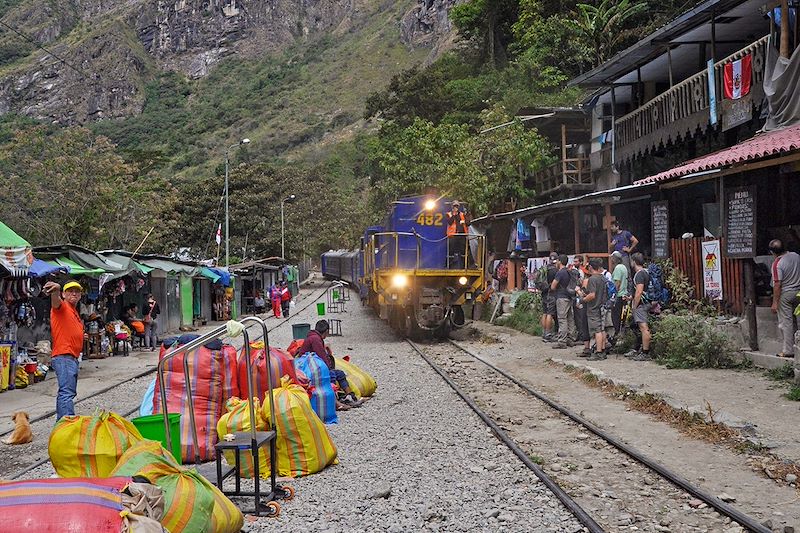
341,265
416,276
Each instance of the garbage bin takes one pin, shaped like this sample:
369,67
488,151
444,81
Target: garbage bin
300,331
321,309
152,427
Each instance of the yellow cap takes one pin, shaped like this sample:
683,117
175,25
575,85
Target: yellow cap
72,285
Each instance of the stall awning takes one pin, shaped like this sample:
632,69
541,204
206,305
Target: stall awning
169,266
76,270
765,145
210,274
15,252
40,269
144,269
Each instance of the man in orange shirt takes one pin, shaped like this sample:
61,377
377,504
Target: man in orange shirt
66,330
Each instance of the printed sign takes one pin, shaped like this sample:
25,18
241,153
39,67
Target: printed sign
659,222
712,269
736,112
740,222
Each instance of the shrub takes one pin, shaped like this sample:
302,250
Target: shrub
690,341
527,314
794,394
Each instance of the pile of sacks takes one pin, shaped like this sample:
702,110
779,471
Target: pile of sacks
102,453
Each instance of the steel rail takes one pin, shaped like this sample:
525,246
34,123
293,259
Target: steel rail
582,516
734,514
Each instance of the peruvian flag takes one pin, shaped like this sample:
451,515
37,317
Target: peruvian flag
737,76
218,238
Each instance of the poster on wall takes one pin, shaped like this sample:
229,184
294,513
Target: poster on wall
740,222
712,270
659,224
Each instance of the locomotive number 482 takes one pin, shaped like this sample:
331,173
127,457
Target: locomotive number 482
430,219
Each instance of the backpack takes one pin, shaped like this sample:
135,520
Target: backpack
574,280
655,292
541,279
611,289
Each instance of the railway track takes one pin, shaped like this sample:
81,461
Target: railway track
607,484
123,397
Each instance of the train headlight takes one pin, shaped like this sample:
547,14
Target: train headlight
399,281
463,280
430,205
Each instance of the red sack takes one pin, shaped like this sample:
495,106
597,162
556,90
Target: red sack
58,505
295,346
281,363
214,380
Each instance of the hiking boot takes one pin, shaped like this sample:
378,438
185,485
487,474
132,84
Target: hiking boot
342,406
562,345
631,354
351,401
548,337
642,356
585,353
597,356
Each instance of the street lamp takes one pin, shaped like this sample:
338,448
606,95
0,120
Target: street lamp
227,219
290,198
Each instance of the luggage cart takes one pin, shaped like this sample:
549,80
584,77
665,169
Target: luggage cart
242,441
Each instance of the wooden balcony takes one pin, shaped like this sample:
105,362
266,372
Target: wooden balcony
683,109
568,174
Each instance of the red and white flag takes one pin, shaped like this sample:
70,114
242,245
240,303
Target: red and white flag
218,238
737,76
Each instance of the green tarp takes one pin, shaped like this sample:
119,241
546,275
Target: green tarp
76,269
210,274
9,239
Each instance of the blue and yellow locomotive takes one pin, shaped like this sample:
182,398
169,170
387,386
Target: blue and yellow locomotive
414,274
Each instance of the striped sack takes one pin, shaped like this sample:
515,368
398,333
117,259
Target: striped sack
58,505
304,445
237,419
281,364
191,503
362,383
214,381
323,399
89,446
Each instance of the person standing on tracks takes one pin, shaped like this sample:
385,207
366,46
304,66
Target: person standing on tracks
315,342
456,231
66,330
593,297
561,287
286,298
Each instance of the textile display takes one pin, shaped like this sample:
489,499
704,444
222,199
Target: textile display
96,505
781,79
304,445
237,420
89,446
361,382
281,364
214,380
323,399
191,503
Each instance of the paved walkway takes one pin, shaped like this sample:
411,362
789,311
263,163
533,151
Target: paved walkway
739,398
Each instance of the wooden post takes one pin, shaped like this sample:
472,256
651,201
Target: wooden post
750,303
576,227
613,127
608,224
713,36
785,52
669,65
564,154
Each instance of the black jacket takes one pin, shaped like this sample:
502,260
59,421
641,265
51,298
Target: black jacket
154,311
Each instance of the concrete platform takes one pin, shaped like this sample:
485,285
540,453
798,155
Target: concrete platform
767,360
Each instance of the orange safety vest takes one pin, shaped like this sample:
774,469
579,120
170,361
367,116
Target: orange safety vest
452,227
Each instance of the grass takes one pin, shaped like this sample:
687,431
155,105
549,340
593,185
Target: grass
524,321
794,394
783,373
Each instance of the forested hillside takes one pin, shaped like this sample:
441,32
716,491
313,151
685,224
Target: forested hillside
347,118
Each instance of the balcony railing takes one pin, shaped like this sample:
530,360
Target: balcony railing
570,173
682,109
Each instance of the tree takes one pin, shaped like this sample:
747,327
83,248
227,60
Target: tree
604,26
70,186
487,24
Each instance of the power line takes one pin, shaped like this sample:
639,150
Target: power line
38,45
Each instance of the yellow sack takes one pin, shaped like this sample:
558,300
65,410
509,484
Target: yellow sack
191,503
21,380
362,383
304,445
90,446
237,419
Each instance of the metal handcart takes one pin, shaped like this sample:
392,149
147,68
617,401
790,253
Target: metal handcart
243,441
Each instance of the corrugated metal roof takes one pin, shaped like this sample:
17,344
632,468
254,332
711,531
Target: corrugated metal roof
764,145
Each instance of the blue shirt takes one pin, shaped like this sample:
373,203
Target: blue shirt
622,240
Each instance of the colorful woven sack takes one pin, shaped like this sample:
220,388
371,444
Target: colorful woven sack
323,399
281,364
304,445
58,505
89,446
295,346
191,503
214,381
237,419
362,383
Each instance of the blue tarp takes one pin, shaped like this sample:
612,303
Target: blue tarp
224,276
40,269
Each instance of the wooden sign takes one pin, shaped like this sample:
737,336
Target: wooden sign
659,224
740,222
736,112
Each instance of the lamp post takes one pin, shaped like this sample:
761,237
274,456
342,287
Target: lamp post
227,219
290,198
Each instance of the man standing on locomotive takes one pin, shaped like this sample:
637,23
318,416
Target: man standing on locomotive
456,229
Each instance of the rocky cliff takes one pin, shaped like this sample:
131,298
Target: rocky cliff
102,52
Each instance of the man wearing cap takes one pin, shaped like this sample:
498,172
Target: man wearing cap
456,228
66,330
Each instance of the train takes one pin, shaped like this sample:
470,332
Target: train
410,271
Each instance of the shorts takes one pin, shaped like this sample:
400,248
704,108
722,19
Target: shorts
549,305
640,314
595,317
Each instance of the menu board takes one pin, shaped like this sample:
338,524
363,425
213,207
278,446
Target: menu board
740,222
659,223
